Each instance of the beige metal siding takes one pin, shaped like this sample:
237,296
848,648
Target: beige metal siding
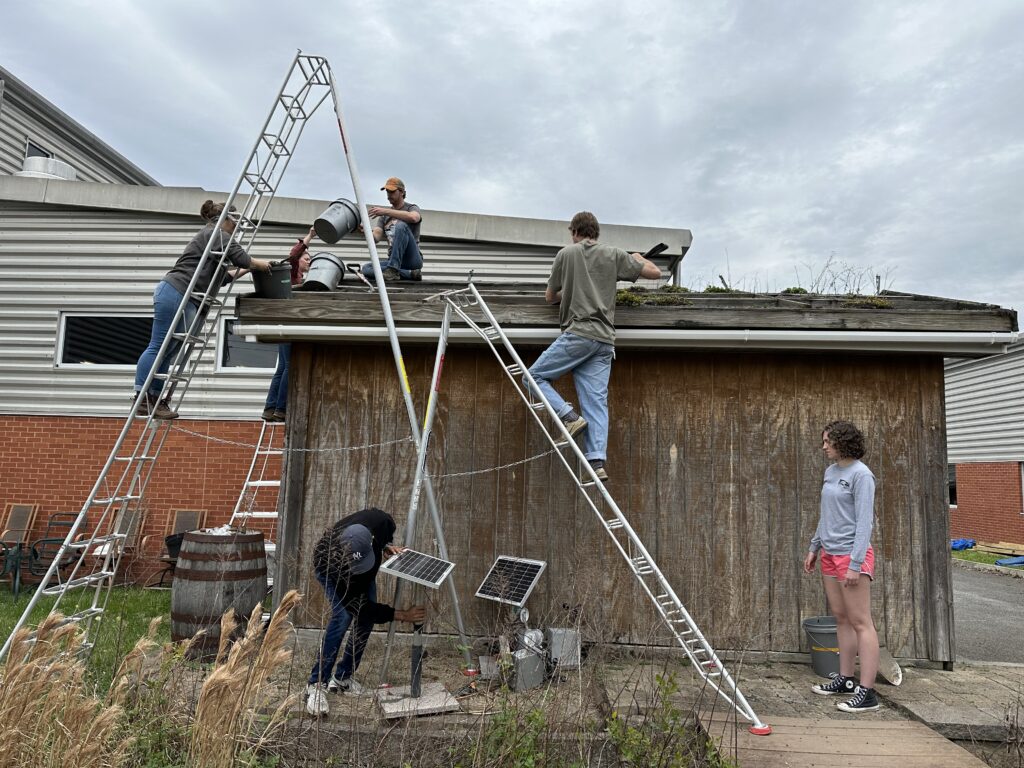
60,259
985,408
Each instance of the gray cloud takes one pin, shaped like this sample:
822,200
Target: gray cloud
886,134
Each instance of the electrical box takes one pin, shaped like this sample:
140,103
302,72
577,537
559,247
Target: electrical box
563,647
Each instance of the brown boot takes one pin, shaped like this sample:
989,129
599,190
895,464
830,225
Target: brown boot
163,411
143,411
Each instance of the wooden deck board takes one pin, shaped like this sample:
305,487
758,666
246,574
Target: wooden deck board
836,743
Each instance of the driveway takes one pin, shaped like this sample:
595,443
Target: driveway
988,610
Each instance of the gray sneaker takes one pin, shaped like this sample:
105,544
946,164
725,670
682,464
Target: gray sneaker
575,427
392,275
316,700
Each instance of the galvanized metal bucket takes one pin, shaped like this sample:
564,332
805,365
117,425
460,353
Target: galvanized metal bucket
325,273
337,221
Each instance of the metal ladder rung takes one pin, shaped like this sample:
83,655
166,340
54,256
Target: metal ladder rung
276,146
514,369
641,565
116,499
258,515
271,452
97,540
293,106
88,613
179,377
135,458
262,483
81,581
614,523
209,301
259,184
189,338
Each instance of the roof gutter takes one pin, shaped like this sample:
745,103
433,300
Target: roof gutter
946,343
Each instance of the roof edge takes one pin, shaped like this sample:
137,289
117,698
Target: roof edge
185,201
17,90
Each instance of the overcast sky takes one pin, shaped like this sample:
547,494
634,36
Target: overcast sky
887,136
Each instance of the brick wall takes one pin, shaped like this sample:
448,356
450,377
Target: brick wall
54,461
989,504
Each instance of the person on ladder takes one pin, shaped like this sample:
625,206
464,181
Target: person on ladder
169,293
582,282
345,562
275,409
400,225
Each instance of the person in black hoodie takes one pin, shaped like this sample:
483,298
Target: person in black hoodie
345,561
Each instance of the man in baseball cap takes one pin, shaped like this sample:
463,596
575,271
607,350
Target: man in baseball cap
399,224
345,562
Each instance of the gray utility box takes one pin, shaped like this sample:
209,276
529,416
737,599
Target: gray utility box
563,647
528,670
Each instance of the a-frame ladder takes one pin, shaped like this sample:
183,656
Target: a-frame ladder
94,543
668,606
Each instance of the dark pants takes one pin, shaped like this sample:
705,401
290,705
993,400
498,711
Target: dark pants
277,397
333,634
403,253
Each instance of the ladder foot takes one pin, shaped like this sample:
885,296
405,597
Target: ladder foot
761,730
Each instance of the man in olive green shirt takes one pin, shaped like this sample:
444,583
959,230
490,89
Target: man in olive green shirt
582,282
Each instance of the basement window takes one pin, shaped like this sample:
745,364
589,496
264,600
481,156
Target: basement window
951,481
107,341
34,150
234,351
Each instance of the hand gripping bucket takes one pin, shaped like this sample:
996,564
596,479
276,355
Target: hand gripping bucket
325,272
340,218
821,632
275,284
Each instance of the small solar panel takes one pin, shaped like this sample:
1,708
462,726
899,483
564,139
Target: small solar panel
511,580
418,567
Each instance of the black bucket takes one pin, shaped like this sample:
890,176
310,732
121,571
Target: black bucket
821,631
337,221
275,284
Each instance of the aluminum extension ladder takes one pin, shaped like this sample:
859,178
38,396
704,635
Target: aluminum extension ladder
258,499
669,607
94,543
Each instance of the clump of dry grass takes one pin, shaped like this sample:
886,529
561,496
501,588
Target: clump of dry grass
229,706
47,717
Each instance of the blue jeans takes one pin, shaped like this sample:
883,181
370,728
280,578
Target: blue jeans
335,632
166,300
403,253
277,397
590,363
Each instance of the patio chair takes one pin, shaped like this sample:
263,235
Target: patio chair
182,521
18,521
45,550
128,523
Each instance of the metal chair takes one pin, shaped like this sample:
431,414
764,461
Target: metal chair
18,521
183,521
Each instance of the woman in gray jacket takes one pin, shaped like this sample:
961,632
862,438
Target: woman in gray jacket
169,292
843,538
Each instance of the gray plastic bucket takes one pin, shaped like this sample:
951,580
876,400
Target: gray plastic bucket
325,272
275,284
821,631
337,221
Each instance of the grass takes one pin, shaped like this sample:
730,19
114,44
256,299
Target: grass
127,618
976,556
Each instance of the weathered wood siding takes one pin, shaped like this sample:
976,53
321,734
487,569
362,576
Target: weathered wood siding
715,458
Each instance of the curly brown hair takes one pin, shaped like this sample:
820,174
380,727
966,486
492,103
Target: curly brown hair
845,438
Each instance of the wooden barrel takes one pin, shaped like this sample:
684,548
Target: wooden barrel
213,574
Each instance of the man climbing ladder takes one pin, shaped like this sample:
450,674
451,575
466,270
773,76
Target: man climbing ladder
582,283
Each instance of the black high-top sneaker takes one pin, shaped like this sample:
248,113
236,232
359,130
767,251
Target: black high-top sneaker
838,684
863,700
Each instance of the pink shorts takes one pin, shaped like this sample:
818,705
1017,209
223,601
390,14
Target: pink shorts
837,565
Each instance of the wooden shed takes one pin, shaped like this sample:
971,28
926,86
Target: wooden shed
717,403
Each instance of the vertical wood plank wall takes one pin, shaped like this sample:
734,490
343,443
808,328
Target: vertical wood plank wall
714,456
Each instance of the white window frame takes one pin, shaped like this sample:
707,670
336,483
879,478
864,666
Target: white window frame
240,370
58,352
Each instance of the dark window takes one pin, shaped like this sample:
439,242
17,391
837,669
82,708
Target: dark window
239,353
110,340
951,480
34,150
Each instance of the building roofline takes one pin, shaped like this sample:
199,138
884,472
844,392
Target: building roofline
185,201
17,90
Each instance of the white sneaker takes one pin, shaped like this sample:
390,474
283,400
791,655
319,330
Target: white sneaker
316,700
349,686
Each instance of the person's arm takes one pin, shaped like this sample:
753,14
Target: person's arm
301,246
864,510
381,613
409,217
649,270
553,292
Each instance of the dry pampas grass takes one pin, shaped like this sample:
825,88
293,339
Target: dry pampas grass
231,697
47,718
